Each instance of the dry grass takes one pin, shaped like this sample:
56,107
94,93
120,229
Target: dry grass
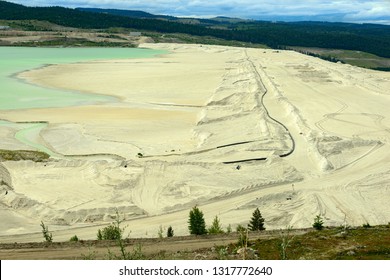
328,244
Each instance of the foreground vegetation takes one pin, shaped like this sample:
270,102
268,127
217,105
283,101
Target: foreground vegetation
251,242
343,243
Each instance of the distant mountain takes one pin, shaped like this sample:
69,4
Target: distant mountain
334,17
371,38
145,15
126,13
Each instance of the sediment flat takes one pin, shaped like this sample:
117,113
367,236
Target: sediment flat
227,129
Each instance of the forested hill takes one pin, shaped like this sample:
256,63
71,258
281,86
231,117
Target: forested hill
370,38
126,13
140,14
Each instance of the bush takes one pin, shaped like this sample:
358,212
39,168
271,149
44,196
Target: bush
196,223
111,232
257,221
318,223
74,238
115,232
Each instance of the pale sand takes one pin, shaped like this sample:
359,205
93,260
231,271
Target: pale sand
188,112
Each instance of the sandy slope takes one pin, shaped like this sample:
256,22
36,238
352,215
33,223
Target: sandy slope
309,137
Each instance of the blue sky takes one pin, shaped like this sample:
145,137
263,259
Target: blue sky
374,11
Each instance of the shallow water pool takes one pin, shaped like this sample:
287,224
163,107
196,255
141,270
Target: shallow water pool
16,94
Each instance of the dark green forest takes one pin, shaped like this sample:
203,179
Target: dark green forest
369,38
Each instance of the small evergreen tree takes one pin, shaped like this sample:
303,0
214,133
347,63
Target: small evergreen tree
170,232
196,223
318,223
257,221
216,227
46,234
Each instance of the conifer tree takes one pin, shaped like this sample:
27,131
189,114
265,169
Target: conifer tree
196,223
170,232
318,223
257,221
216,227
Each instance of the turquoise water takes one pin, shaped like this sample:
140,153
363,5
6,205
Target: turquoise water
29,133
30,136
15,94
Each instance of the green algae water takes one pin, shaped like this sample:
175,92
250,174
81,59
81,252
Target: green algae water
15,94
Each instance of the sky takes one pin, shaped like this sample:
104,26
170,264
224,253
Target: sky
358,11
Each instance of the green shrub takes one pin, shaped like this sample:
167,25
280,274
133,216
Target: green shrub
110,232
115,232
74,238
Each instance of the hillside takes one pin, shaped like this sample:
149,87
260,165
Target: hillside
369,38
144,15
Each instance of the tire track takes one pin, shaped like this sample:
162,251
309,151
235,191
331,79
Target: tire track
319,124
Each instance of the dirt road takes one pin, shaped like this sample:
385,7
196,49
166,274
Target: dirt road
175,248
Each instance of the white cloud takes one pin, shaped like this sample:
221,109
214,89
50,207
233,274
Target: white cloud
353,10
